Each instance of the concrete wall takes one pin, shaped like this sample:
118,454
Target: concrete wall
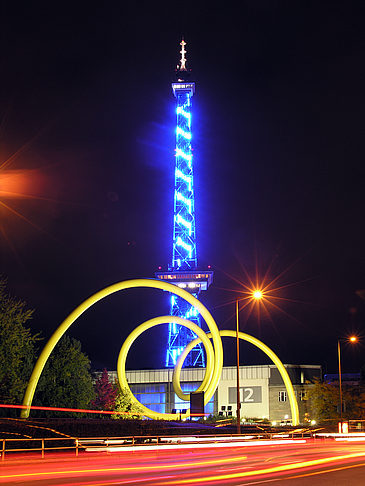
260,387
254,390
280,410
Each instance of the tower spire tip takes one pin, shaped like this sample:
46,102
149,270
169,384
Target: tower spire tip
182,72
182,66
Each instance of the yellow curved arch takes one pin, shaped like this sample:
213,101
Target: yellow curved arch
209,390
256,342
127,284
213,370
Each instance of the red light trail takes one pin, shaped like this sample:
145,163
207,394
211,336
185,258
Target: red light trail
236,466
63,409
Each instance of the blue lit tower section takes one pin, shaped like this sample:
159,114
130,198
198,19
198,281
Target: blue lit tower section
184,267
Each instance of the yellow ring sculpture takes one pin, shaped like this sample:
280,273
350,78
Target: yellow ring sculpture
127,284
214,357
206,384
256,342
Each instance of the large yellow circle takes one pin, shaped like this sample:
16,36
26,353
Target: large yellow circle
127,284
137,332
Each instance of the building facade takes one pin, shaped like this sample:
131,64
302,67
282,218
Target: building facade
262,391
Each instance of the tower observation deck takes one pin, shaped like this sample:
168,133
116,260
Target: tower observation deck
184,271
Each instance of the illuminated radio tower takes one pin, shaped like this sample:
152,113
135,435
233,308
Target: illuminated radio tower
183,270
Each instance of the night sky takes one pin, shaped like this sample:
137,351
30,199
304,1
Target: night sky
87,120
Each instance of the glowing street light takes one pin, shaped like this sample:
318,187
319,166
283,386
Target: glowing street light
351,339
256,295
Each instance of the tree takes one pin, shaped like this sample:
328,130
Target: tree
105,391
325,398
127,408
66,380
17,347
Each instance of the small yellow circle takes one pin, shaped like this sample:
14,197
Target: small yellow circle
206,384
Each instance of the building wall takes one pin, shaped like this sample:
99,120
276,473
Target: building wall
301,377
262,391
190,379
254,390
280,410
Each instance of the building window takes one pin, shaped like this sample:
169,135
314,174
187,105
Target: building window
303,395
153,396
282,396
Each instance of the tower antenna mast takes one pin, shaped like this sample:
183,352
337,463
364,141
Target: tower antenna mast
184,270
183,59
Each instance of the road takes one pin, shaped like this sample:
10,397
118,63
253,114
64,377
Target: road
298,463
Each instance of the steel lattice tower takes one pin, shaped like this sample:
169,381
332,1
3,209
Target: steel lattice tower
183,270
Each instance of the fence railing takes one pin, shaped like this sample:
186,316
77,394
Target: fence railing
357,425
43,445
38,445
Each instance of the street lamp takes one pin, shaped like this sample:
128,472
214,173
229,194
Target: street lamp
351,339
256,295
238,412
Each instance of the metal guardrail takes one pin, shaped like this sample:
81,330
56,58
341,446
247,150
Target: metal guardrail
30,445
44,445
356,425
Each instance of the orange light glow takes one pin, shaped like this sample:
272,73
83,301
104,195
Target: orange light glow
353,339
17,188
257,294
22,184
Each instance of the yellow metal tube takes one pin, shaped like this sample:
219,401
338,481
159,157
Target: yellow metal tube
127,284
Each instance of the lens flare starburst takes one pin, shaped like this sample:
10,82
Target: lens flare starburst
262,296
257,294
18,188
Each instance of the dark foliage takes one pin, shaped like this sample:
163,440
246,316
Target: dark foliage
106,392
17,347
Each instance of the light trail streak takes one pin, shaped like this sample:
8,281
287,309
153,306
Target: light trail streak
272,470
63,409
197,446
338,434
326,471
350,439
205,467
126,469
